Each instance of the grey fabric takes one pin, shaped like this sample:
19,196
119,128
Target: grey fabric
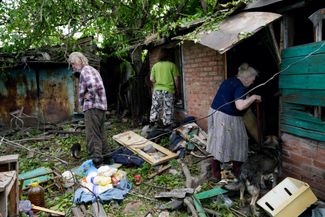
227,137
95,133
162,101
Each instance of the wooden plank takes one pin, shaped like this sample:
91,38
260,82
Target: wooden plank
210,193
306,82
14,198
7,182
302,132
294,121
199,208
39,208
6,178
160,170
310,97
312,65
9,162
304,50
136,143
295,106
301,115
8,158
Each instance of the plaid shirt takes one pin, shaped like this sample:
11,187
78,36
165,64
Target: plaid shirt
91,85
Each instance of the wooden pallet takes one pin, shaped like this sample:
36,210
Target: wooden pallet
137,143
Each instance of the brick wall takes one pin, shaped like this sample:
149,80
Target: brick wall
203,70
304,159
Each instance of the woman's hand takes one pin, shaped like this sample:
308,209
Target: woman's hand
242,104
257,98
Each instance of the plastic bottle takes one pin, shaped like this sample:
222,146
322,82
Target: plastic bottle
36,195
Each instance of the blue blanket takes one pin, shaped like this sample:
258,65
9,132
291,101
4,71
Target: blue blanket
116,193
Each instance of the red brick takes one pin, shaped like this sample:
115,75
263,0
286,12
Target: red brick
319,164
298,159
320,154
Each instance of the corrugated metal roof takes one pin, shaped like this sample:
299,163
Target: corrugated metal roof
236,28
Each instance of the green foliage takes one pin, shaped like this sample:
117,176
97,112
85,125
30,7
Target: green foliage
119,25
60,202
174,163
170,180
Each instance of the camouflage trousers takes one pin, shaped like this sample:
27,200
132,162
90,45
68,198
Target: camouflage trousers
162,107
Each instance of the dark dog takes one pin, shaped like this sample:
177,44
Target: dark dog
264,164
75,150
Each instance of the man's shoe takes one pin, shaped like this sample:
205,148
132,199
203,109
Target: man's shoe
97,161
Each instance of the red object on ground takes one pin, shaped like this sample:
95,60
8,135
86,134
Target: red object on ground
137,179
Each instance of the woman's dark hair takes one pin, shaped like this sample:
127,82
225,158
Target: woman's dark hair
164,54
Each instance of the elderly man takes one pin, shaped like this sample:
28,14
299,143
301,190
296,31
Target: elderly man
92,99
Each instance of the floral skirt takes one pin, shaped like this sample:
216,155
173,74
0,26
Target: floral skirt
227,137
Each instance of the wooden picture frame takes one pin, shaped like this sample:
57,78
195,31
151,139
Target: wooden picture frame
137,143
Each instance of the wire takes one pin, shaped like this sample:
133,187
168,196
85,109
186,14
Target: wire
12,143
258,86
267,81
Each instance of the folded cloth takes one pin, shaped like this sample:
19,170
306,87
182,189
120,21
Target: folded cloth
116,193
126,157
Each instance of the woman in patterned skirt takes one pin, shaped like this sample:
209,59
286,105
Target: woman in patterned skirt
227,137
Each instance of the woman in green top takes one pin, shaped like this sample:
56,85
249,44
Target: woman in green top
164,76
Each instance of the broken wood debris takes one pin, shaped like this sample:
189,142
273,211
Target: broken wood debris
47,210
160,170
176,193
11,143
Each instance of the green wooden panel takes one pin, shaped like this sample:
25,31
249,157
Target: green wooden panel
40,175
297,122
304,50
291,105
210,193
302,84
315,64
307,82
310,97
301,115
303,132
199,208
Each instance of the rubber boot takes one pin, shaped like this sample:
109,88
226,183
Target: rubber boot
216,170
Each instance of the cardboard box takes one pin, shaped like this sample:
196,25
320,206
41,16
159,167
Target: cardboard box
289,198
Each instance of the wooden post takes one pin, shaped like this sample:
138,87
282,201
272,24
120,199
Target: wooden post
317,20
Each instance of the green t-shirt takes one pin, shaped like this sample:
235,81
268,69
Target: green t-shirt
162,73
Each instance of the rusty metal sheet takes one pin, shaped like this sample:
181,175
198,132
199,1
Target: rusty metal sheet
48,93
17,89
236,28
261,3
56,98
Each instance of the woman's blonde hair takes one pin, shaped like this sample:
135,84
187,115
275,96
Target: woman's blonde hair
245,71
78,55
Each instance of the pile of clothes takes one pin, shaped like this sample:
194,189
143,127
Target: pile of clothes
105,183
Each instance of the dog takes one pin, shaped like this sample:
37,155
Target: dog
75,150
265,164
